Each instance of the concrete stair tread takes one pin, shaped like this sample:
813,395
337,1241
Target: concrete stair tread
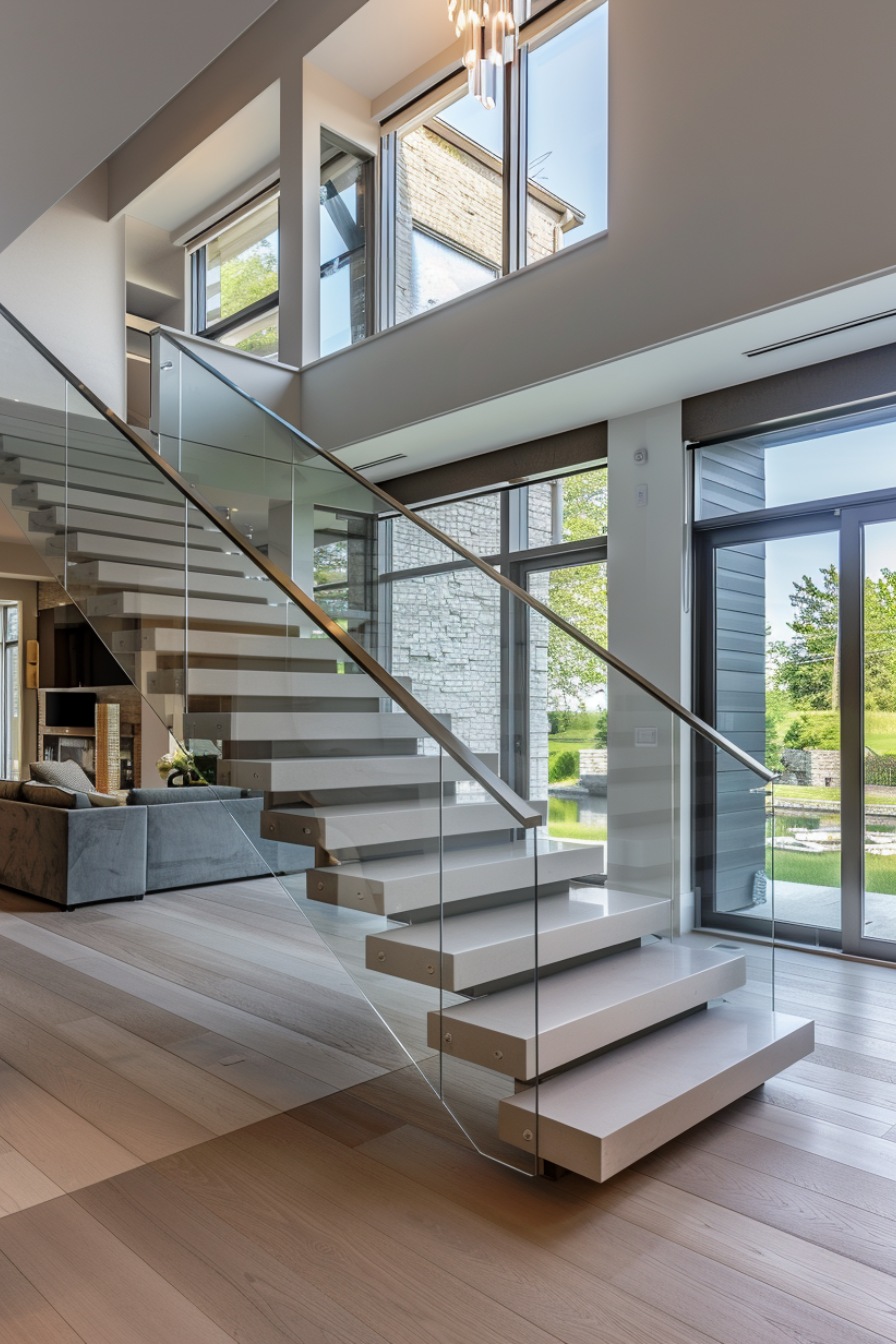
133,487
574,1012
605,1114
490,944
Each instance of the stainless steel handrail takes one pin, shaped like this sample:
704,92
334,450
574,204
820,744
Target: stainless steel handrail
693,721
518,808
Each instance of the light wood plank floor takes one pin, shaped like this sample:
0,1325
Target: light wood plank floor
205,1135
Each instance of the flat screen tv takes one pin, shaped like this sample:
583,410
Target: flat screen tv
70,709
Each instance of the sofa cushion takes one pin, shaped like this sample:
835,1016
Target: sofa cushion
191,794
97,799
11,789
48,795
64,774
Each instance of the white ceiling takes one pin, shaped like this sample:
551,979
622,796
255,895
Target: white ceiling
245,148
694,364
82,78
384,41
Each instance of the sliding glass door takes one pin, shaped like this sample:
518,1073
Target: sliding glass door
869,729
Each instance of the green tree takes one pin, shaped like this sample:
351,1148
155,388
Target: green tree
579,594
805,666
245,279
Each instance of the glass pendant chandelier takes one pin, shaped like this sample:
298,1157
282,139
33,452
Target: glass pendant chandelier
489,32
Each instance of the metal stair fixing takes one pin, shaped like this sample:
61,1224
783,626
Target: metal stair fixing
538,986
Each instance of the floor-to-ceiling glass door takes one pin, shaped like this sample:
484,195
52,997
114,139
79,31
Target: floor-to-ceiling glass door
868,631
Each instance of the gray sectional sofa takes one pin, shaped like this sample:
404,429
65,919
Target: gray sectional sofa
163,838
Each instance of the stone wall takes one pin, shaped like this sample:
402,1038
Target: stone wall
811,769
446,628
457,195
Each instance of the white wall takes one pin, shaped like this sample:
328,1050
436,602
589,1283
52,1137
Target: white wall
77,79
327,103
649,628
746,144
64,279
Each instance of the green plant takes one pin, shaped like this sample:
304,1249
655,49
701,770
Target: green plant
565,765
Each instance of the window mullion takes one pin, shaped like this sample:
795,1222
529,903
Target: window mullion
388,202
515,155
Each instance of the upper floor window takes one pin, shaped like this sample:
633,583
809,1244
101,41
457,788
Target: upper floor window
470,194
236,280
346,197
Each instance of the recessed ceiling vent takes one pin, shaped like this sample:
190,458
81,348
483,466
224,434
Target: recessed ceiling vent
816,335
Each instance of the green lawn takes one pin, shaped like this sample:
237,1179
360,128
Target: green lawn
562,824
823,870
822,795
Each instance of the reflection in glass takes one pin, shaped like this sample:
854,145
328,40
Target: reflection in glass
777,695
449,215
566,197
345,195
826,460
568,703
242,268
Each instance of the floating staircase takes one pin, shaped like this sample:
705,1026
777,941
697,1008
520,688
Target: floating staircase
535,991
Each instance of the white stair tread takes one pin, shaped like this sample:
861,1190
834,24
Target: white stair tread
391,886
537,1027
164,606
287,648
342,729
96,546
340,772
201,532
136,486
246,682
46,494
600,1117
113,573
491,944
354,825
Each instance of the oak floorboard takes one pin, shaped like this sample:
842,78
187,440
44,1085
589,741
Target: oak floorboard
260,1076
60,1143
563,1278
406,1275
126,1113
107,1293
22,1183
822,1202
340,1068
227,1275
340,1018
866,1297
213,1103
26,1316
125,1009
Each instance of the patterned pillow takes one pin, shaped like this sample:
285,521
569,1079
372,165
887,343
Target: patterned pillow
48,795
64,774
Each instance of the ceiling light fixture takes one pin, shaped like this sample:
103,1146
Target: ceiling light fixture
489,33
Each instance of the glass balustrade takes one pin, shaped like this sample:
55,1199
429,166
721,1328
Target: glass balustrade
509,901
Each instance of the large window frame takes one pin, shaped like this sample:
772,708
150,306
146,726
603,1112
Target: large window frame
198,254
539,24
844,516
